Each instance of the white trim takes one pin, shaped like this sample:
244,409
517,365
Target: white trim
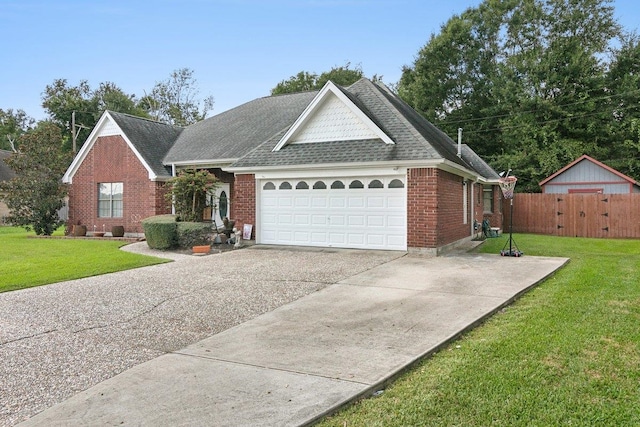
328,89
330,173
201,163
442,164
90,142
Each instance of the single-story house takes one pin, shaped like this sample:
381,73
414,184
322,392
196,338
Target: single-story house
6,174
345,167
588,176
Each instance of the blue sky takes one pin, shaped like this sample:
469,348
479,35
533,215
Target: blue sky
238,49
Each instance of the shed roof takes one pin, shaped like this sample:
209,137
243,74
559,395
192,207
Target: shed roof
584,157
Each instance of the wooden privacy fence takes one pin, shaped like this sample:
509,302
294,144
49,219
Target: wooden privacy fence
575,215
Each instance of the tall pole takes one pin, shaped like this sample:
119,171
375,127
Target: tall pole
511,228
73,130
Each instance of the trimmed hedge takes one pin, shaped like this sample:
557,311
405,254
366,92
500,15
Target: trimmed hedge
161,231
194,234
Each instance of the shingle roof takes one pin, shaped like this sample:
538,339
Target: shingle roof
246,135
152,139
415,138
233,133
6,173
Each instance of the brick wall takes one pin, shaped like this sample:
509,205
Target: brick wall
451,226
111,160
435,208
243,208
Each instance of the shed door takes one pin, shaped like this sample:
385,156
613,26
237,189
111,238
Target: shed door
362,213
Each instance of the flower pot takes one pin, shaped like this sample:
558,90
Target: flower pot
79,230
204,249
117,231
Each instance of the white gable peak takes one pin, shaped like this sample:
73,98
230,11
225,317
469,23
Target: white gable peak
332,116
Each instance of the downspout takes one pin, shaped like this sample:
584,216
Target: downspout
173,174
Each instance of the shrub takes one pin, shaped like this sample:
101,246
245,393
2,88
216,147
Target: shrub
193,234
161,231
188,192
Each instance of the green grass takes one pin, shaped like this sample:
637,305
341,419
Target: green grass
566,353
27,262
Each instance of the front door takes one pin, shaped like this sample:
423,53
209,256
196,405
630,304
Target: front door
221,203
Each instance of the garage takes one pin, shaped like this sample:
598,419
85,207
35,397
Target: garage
348,212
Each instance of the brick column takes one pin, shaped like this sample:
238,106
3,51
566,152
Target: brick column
243,205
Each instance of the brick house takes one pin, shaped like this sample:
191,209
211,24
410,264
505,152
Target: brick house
349,167
117,178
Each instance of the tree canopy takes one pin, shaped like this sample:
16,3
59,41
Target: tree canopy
304,80
12,125
533,83
174,101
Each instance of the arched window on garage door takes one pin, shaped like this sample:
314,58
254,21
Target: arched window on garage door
302,186
319,185
285,186
269,186
356,184
376,183
337,185
396,183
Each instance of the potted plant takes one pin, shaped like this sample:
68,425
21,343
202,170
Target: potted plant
117,231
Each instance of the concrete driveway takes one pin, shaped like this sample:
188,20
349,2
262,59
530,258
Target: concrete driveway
253,337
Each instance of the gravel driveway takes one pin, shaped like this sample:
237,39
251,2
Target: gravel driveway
60,339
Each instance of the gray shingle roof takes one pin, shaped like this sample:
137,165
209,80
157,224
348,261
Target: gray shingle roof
246,135
415,138
6,173
233,133
152,139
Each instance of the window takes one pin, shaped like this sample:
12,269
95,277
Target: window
285,186
302,186
110,200
396,183
356,184
319,185
223,204
487,199
337,184
375,184
269,186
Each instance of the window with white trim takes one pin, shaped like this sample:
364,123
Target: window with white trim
487,199
110,199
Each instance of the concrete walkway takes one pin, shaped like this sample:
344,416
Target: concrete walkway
303,360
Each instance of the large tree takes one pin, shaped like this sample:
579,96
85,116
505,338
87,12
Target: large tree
176,100
36,194
62,101
304,80
525,79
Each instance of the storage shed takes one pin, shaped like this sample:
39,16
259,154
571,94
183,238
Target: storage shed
589,176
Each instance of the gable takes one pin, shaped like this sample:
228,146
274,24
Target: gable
332,116
148,140
333,121
587,170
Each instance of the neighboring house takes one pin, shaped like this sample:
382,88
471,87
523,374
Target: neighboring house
589,176
5,175
351,167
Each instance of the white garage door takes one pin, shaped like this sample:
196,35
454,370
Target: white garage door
365,213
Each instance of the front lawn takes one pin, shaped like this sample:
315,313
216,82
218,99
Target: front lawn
26,262
566,353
